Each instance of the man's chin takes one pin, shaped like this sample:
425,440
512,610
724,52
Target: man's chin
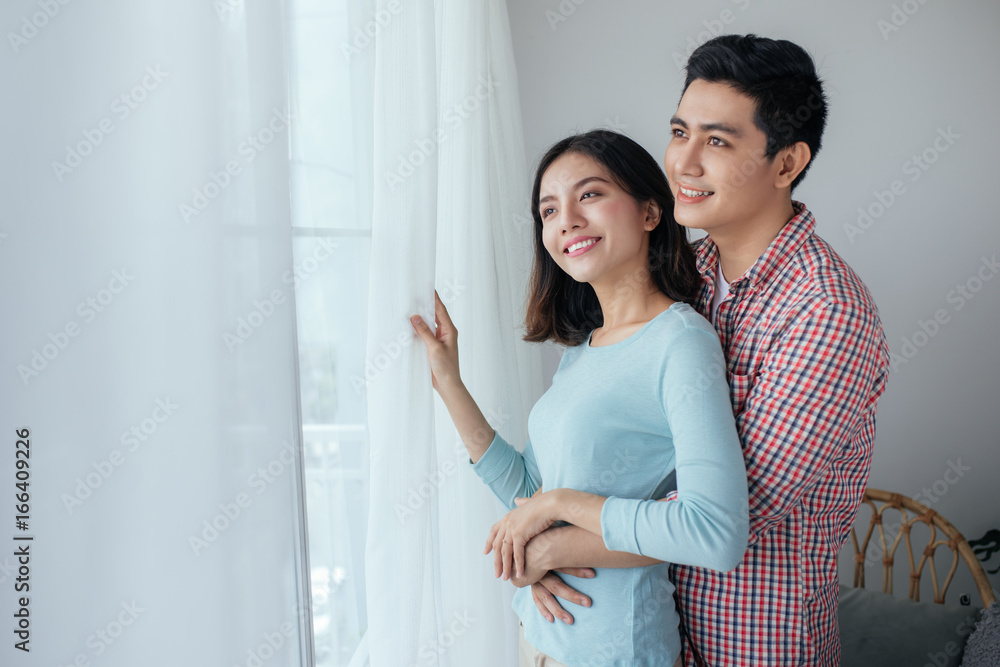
693,222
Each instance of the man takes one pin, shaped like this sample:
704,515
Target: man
807,361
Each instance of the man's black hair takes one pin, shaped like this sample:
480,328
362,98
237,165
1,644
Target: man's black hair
779,76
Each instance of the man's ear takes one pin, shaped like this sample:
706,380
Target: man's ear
653,215
791,161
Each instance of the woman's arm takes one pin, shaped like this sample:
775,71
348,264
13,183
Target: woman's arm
548,548
706,525
475,431
442,354
507,472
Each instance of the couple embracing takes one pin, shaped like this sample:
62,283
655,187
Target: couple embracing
698,461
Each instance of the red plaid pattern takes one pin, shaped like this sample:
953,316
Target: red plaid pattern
807,361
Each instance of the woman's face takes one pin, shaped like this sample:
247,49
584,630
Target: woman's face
595,231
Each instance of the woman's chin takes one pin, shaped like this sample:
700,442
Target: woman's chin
580,277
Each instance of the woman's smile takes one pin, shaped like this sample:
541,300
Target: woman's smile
578,248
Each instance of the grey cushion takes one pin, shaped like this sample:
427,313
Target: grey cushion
983,647
884,631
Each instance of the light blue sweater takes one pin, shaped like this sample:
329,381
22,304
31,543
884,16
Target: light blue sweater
619,421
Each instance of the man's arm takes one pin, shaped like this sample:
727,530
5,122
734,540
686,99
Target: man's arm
816,387
558,548
572,546
572,550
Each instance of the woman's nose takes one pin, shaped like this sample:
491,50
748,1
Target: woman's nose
572,217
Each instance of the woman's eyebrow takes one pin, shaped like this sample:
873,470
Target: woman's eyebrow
579,185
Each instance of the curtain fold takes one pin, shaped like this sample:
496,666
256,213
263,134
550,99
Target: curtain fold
148,340
449,212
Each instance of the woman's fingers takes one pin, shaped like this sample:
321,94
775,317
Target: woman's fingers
518,548
547,604
491,538
441,313
555,585
444,327
422,329
508,557
498,545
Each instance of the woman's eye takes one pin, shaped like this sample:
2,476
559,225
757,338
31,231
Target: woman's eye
546,211
587,194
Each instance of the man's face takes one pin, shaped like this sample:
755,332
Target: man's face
715,162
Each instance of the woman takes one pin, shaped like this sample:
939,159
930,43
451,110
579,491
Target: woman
639,399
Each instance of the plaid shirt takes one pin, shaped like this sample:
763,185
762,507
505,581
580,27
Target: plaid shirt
807,360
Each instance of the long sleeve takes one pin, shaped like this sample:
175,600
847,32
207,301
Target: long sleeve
707,523
833,363
507,472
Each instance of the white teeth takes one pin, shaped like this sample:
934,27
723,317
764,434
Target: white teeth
581,244
694,193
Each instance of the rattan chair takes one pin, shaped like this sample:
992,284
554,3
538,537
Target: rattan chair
911,512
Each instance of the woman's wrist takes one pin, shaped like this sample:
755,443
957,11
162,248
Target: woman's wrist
567,504
580,509
451,387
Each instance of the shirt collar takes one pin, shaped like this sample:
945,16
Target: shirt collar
778,253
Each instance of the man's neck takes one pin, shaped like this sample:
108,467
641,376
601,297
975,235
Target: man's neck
740,248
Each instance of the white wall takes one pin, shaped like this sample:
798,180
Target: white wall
584,64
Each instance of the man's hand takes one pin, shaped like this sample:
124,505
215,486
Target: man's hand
545,591
537,562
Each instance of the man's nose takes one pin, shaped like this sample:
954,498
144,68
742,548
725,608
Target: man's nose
686,158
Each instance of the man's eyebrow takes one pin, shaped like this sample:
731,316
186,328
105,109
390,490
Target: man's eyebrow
709,127
577,186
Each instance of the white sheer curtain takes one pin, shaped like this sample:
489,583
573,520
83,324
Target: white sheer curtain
450,212
148,340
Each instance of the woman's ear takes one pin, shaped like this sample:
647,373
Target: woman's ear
653,215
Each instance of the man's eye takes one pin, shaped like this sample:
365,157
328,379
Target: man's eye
677,132
715,141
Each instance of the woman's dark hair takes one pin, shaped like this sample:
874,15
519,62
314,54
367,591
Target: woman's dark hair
779,76
566,311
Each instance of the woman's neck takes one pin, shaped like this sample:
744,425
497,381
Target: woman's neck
628,306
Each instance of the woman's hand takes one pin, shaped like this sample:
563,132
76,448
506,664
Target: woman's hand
442,347
510,534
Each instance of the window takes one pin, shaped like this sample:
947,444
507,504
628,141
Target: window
331,252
